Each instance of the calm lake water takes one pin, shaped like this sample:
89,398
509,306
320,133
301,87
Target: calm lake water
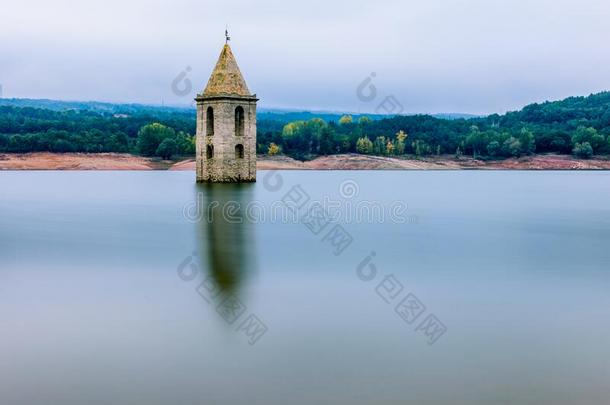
135,288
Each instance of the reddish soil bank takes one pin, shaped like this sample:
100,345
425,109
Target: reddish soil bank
119,161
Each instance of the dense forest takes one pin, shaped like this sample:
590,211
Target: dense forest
577,125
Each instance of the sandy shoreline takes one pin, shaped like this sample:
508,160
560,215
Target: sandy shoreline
117,161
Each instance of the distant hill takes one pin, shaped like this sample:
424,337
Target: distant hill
289,115
592,110
94,106
455,116
270,114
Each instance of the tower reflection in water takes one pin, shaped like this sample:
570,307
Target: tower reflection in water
226,242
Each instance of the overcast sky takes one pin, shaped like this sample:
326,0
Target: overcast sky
472,56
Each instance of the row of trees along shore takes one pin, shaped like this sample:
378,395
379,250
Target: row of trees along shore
576,125
149,133
304,139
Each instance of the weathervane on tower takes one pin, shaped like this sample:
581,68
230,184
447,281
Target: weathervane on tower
227,37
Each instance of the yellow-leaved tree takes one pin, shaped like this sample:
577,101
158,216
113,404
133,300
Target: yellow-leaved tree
401,137
273,149
346,119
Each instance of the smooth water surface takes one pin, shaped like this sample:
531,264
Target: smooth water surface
126,288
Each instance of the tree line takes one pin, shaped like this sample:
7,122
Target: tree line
576,125
149,133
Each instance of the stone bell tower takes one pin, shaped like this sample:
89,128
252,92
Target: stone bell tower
226,125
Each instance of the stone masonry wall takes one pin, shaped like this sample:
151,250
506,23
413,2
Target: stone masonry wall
225,166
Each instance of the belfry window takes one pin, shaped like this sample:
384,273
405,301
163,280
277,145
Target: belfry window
209,151
239,121
209,119
239,151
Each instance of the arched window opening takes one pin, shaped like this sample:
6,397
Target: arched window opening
209,151
239,121
209,119
239,151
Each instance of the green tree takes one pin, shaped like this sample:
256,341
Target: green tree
167,148
118,143
293,128
364,146
511,147
560,142
363,120
327,141
150,137
344,143
583,150
458,153
493,148
185,144
379,145
477,141
421,148
303,137
62,146
528,142
590,136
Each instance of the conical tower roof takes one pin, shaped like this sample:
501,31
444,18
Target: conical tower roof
226,79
